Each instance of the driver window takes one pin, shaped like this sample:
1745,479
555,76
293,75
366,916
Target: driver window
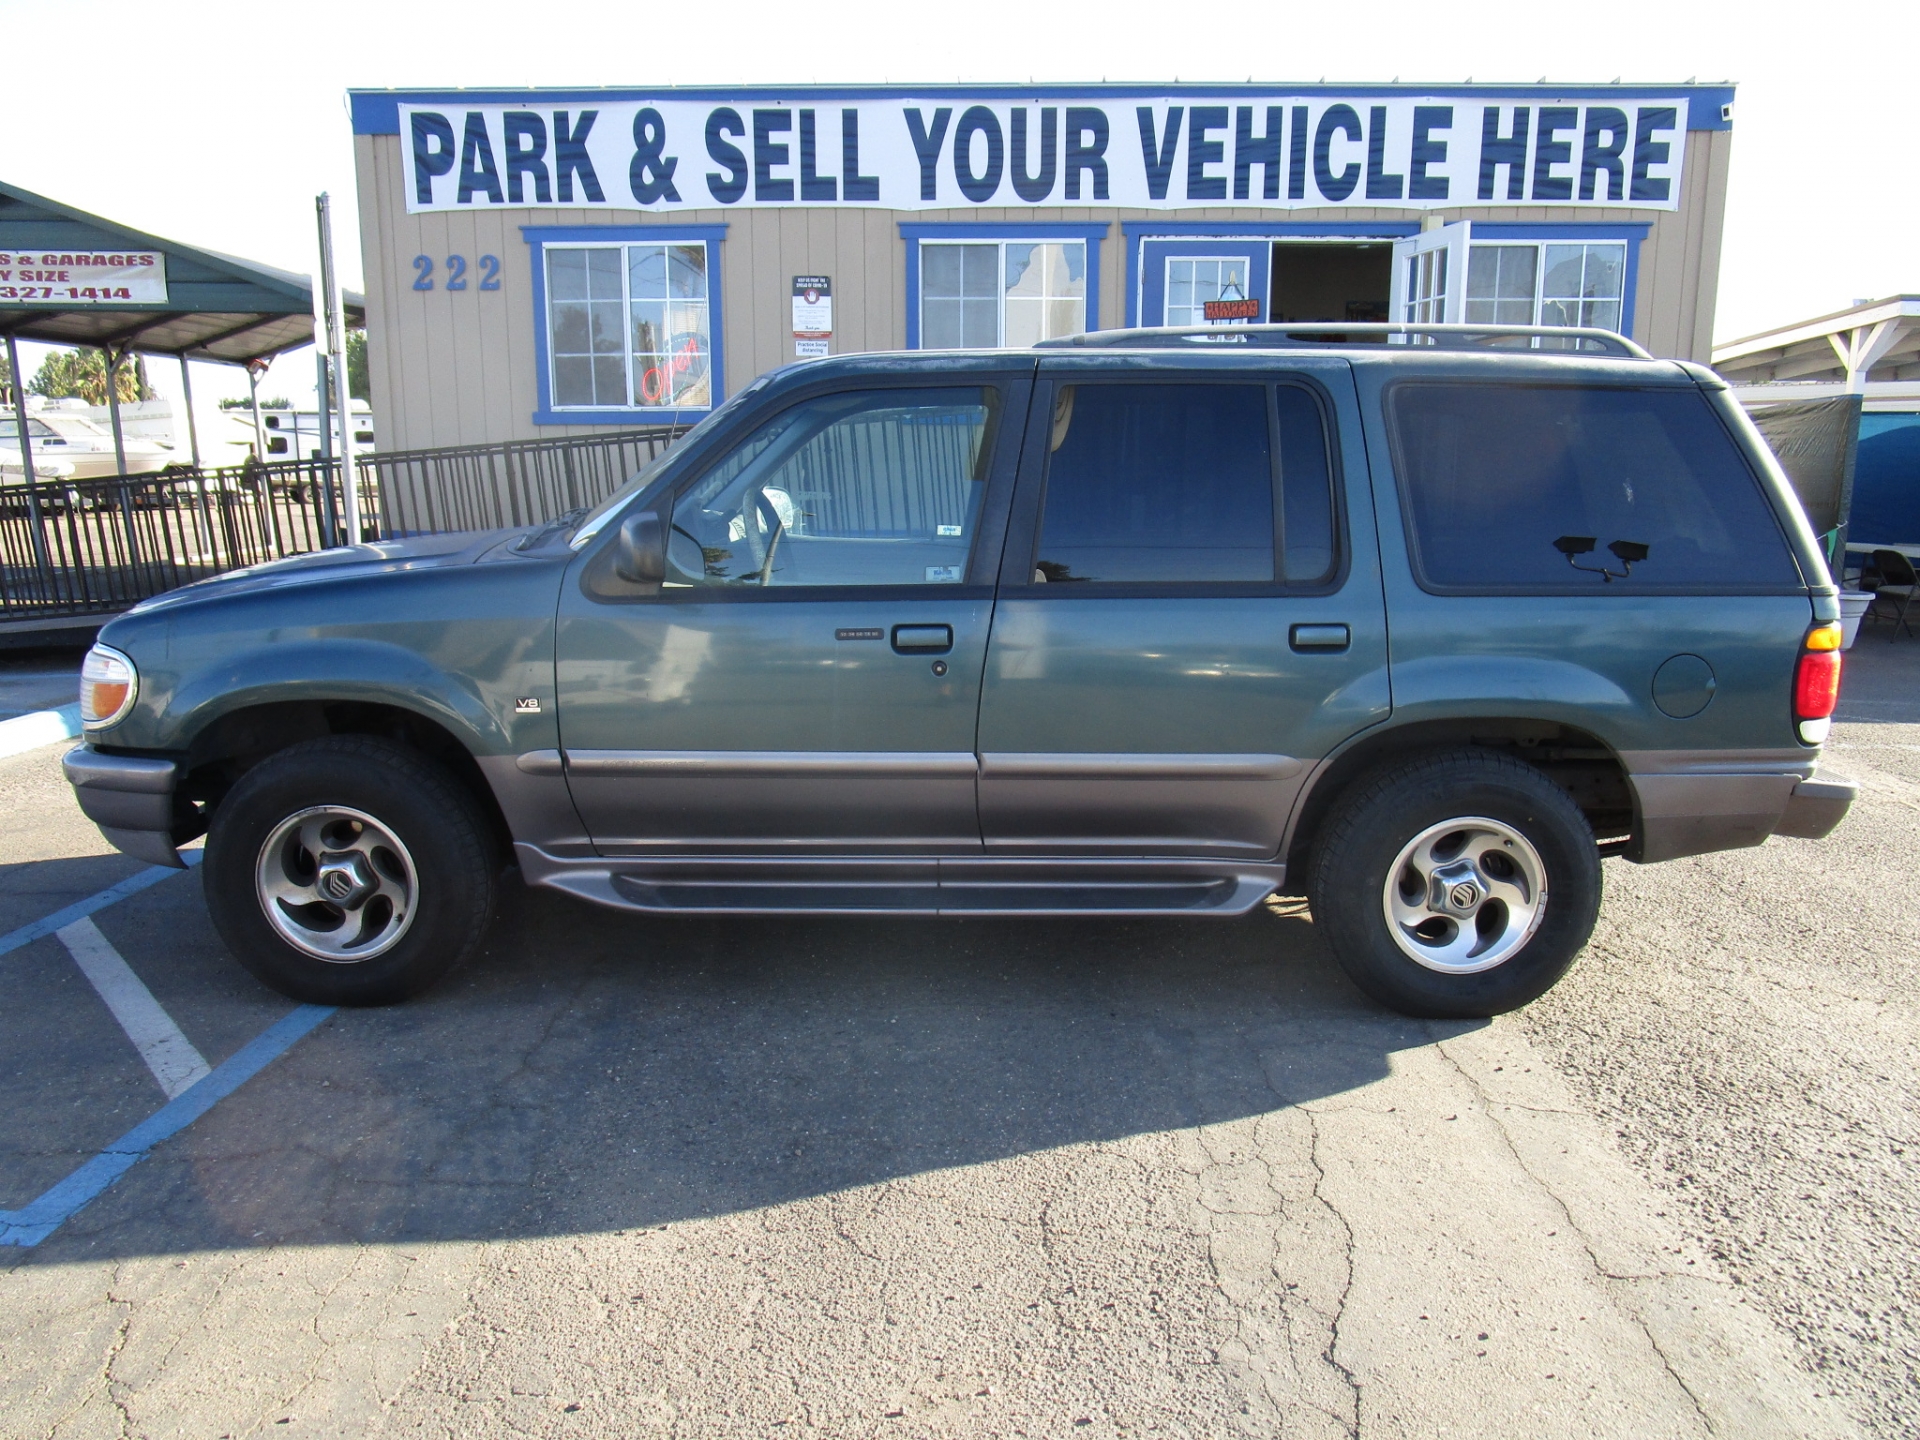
871,487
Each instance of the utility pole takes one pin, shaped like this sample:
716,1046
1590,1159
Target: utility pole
334,316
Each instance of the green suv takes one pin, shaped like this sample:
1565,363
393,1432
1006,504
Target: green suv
1145,623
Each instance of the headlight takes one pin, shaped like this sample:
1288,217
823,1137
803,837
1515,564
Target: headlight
108,684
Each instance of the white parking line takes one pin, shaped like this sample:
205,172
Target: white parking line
168,1053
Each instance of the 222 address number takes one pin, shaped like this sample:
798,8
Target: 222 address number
456,272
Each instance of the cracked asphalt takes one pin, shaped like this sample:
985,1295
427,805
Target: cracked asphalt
769,1177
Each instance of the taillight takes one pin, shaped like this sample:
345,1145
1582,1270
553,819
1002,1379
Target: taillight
1816,684
108,683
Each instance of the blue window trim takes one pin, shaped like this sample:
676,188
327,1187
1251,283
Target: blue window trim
1138,232
538,237
1630,231
999,230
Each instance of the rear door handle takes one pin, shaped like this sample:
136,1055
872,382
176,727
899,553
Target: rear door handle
1320,637
923,639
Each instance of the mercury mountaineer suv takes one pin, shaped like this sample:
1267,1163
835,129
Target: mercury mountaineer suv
1143,623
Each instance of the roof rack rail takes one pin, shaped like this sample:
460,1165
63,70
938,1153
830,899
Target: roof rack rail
1452,337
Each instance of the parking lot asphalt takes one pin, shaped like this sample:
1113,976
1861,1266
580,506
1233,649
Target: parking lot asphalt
626,1175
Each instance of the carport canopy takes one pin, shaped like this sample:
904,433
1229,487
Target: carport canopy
216,307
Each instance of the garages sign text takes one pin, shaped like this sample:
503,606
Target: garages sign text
83,277
1277,153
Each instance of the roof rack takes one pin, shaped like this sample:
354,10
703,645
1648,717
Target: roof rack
1452,337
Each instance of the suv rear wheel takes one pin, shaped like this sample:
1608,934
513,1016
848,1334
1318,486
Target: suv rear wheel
1461,883
349,871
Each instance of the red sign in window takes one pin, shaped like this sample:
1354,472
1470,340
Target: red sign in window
1232,309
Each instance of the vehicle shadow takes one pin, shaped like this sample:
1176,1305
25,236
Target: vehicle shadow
595,1071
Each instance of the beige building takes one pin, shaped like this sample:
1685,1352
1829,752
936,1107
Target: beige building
544,263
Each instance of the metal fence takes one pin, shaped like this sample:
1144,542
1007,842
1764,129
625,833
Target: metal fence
520,482
94,547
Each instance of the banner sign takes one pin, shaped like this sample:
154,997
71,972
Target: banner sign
91,277
1278,153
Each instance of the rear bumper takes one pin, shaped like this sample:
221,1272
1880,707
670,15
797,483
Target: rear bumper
1695,803
1817,806
130,798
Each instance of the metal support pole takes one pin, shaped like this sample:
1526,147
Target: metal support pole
254,372
337,362
255,369
329,517
199,478
113,358
40,556
186,392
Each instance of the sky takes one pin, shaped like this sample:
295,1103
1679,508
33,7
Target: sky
217,124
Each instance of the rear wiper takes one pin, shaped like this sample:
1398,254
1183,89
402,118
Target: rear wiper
546,532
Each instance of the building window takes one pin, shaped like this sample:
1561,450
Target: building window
629,326
1192,282
1001,292
1550,284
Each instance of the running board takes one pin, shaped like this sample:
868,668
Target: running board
946,887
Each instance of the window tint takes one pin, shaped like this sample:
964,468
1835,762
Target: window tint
877,487
1306,487
1514,487
1158,483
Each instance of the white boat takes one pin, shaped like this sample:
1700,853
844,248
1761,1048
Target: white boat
67,446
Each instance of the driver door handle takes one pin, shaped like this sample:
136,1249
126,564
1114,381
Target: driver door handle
1320,637
922,639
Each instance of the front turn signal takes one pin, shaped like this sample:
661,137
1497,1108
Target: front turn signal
108,684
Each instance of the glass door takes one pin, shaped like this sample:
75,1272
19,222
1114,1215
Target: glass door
1430,275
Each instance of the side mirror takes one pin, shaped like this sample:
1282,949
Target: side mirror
640,550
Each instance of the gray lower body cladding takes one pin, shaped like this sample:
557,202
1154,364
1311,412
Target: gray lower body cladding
131,799
1695,802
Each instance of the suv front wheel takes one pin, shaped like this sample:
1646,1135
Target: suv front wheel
349,871
1461,883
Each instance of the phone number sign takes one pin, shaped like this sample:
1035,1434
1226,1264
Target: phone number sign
83,277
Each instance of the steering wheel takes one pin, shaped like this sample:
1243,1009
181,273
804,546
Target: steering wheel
776,527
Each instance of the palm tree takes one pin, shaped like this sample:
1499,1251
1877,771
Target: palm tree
82,374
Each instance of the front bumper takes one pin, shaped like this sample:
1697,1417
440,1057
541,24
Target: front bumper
130,798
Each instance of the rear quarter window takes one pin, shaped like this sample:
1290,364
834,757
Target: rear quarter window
1504,485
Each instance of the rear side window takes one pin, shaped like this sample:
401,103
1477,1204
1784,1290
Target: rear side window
1580,488
1171,484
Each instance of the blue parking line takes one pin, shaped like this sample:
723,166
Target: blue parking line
34,1222
112,895
40,1218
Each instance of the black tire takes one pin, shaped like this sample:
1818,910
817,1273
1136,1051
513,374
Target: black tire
438,826
1387,811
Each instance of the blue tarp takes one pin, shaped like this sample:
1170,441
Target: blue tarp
1886,480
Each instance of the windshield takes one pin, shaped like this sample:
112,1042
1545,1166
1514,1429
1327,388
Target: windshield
596,520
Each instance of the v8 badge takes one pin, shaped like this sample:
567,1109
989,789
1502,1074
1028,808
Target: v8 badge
527,705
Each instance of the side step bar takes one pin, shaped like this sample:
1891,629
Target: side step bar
925,887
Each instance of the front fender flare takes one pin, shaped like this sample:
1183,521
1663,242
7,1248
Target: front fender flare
365,671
